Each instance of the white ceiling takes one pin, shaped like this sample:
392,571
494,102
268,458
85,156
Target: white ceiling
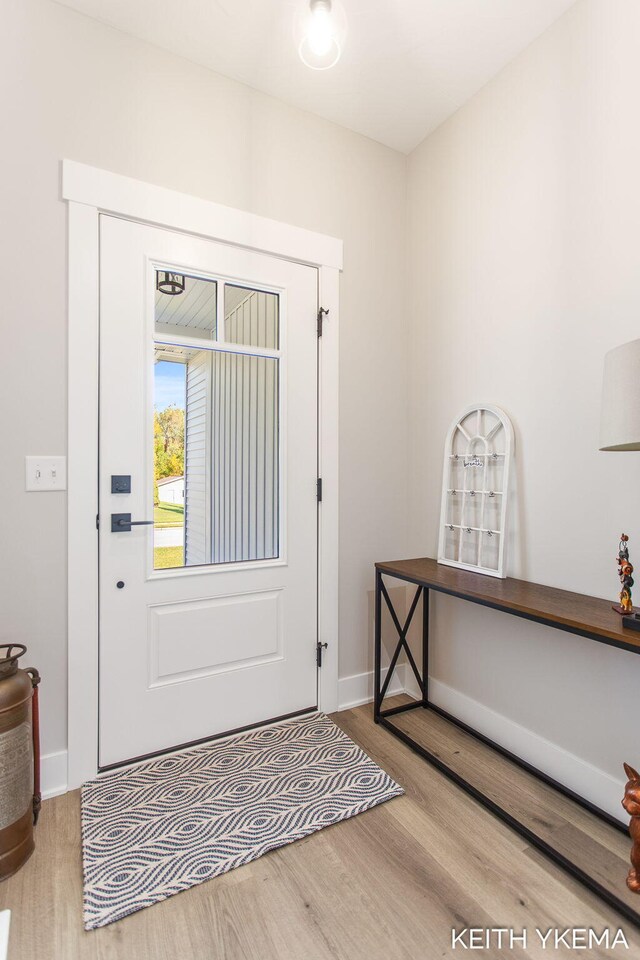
407,64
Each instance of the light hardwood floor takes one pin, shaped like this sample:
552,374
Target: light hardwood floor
387,885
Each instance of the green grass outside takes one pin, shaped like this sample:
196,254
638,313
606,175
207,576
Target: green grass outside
164,557
168,515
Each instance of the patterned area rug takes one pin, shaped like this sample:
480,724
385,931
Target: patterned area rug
164,825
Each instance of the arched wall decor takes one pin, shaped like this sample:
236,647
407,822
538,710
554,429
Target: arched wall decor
475,490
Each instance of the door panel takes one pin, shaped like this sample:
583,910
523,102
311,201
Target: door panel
208,401
248,628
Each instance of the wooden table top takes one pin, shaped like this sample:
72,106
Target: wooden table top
586,616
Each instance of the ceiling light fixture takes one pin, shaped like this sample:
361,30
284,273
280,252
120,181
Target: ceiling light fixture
323,29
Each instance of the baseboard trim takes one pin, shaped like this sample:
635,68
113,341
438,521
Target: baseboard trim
579,775
575,773
53,774
358,689
602,789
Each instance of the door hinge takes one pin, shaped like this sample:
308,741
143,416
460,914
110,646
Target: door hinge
97,521
321,313
319,647
319,489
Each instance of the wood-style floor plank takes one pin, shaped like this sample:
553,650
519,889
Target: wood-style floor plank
586,840
386,885
485,852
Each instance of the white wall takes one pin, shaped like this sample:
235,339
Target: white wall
524,224
80,90
523,215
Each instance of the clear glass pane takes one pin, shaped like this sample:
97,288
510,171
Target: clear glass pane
185,306
470,540
245,481
451,542
490,550
170,381
216,446
251,317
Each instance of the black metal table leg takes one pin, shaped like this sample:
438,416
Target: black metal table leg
377,649
425,647
380,689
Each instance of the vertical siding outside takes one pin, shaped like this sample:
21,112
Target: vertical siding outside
245,438
197,497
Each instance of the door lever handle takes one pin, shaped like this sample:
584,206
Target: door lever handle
122,523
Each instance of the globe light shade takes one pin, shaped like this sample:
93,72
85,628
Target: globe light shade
320,32
620,411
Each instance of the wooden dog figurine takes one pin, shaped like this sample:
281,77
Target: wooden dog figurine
631,804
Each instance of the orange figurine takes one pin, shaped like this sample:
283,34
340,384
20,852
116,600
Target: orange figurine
625,571
631,804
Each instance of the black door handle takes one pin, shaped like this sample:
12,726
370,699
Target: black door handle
122,523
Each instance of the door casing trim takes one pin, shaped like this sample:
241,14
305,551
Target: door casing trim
89,192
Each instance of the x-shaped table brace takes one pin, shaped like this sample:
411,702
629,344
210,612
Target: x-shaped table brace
422,680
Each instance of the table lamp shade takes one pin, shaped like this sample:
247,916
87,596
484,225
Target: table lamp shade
620,412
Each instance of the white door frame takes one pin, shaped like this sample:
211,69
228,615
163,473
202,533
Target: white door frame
89,192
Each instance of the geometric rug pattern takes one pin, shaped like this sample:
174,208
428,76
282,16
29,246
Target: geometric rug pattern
161,826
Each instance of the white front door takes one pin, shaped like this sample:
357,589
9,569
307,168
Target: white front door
208,443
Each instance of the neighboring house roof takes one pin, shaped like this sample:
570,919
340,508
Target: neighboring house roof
164,480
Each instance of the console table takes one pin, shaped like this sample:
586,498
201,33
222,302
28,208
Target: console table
583,616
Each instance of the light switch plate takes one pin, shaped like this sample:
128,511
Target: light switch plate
46,473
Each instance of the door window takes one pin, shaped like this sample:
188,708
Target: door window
251,317
216,422
185,306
